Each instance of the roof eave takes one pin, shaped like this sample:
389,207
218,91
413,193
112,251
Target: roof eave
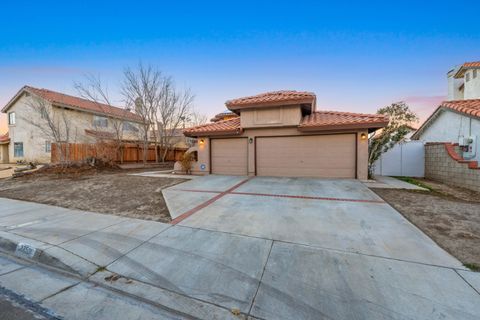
349,126
195,134
243,106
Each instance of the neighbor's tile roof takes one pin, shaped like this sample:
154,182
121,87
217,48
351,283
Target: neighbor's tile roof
272,98
230,126
467,65
335,119
473,64
84,104
4,138
468,107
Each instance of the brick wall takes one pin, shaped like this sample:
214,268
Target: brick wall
443,163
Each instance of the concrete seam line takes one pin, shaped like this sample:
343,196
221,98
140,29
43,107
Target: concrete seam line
325,248
456,271
192,211
260,280
60,291
17,269
123,255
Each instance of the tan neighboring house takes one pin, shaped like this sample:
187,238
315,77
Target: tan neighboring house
87,121
4,142
282,134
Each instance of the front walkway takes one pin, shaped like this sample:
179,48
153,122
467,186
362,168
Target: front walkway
274,248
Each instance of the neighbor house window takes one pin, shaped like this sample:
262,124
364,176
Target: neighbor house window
467,76
128,126
474,75
100,122
48,146
18,149
11,118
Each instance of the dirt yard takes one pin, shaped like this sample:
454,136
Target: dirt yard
449,215
106,191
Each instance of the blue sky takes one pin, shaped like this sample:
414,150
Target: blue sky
355,56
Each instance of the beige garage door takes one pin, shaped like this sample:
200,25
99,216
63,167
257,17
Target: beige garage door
325,156
229,156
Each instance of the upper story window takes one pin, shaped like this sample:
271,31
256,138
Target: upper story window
11,118
474,73
100,122
467,76
128,126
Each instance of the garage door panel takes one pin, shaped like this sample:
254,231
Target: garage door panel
229,156
330,156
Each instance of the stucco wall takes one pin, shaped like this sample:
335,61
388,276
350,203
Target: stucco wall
34,138
440,166
271,117
4,153
472,87
204,149
448,126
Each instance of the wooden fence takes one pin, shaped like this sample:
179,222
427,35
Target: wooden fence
129,152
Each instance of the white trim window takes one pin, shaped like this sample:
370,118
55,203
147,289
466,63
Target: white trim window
48,146
11,118
18,149
100,122
128,126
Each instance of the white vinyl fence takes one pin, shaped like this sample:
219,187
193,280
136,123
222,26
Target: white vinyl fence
404,159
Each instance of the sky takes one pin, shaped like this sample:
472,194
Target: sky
356,56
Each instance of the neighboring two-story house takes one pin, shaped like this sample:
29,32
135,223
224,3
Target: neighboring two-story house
283,134
457,120
30,129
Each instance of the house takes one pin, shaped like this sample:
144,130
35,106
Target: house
32,113
4,141
282,134
457,120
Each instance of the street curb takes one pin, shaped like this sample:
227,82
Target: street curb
27,251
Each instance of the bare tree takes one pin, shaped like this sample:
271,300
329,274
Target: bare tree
175,109
162,107
93,89
141,90
53,123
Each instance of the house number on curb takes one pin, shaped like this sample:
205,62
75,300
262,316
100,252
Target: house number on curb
24,249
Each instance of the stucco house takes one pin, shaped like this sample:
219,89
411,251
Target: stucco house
457,120
4,142
282,133
88,121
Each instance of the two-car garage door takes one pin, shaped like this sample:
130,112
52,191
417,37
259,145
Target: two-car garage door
325,156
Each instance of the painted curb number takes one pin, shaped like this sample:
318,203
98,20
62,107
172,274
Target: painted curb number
24,249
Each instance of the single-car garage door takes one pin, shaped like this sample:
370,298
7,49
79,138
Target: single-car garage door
324,156
229,156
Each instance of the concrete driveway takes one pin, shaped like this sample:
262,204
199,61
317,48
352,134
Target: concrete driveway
338,251
268,248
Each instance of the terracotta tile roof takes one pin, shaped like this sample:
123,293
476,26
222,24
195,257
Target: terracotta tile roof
230,126
474,64
84,104
464,67
272,98
100,134
224,116
4,138
329,120
468,107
